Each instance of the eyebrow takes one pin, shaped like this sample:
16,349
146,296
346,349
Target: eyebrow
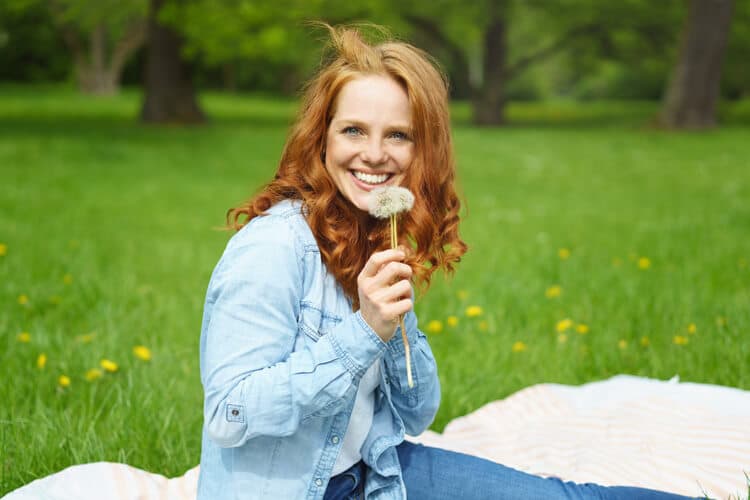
397,126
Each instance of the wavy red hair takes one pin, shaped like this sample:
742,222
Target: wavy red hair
345,235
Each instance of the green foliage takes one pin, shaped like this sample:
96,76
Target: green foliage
111,227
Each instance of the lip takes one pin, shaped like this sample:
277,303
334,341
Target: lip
369,187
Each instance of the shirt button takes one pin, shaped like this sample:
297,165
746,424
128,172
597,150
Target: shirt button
235,412
318,482
335,439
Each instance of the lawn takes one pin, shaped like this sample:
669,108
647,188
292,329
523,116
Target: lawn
598,246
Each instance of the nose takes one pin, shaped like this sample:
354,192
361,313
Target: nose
373,153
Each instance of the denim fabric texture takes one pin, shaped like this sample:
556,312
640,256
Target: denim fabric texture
282,354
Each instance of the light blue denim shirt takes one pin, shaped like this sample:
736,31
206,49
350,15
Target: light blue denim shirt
282,355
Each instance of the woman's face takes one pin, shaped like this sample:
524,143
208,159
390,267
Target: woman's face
368,144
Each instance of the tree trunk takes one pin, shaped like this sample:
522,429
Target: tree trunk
169,92
489,98
693,91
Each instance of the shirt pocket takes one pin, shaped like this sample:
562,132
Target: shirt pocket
315,322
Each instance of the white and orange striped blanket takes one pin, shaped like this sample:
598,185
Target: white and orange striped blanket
687,438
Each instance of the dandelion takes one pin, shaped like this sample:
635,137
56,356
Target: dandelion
142,352
462,294
435,326
108,365
518,346
563,325
473,311
63,381
3,249
452,320
23,299
644,263
41,361
562,338
86,338
24,337
645,342
692,328
68,279
553,291
563,253
387,203
680,340
483,325
622,344
93,374
583,329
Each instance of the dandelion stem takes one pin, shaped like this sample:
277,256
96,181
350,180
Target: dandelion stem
407,350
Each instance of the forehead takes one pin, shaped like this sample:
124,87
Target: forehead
373,98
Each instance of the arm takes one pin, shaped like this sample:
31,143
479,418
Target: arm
254,384
417,406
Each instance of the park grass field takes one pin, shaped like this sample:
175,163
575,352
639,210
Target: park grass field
598,246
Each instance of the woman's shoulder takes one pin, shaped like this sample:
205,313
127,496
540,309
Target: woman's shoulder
283,223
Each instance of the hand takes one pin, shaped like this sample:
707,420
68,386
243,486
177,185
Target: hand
384,291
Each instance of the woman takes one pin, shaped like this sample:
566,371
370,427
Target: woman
303,367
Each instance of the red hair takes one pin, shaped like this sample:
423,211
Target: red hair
348,236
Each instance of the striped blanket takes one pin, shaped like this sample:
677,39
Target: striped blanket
687,438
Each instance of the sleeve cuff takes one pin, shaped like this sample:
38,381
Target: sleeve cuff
356,344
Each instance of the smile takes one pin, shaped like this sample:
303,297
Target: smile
370,178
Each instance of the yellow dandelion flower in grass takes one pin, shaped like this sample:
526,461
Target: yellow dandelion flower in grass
63,381
473,311
622,344
68,279
452,320
3,249
553,291
680,340
108,365
435,326
691,328
93,374
583,329
41,361
563,253
483,325
86,338
462,294
24,337
142,352
644,263
562,338
518,346
563,324
645,342
23,299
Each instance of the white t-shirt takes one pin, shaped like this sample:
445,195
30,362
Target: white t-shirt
360,421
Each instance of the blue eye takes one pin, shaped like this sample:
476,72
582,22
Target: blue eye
351,131
400,136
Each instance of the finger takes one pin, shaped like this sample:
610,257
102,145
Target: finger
379,259
398,291
390,273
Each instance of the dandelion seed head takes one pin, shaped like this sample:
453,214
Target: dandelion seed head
390,200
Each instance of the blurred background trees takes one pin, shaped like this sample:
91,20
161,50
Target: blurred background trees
494,51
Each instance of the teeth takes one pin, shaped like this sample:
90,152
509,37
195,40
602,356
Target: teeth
370,179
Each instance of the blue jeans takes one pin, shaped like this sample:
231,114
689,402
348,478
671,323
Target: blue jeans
436,474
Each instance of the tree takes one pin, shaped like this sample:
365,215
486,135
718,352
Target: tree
101,35
694,87
169,91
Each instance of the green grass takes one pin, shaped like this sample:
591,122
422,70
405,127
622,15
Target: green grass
130,212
